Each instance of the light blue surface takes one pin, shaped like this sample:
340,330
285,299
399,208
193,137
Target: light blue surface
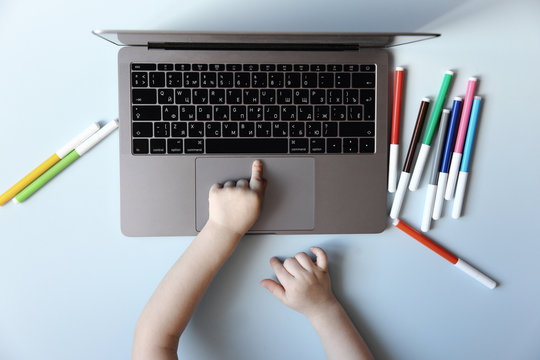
72,286
469,139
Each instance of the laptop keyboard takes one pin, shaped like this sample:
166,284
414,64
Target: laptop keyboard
252,108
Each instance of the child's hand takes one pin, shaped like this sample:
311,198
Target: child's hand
235,206
305,286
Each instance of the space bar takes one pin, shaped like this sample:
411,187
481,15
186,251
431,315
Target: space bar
246,146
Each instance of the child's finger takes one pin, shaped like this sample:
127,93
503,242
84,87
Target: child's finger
276,289
257,182
293,267
304,260
322,259
282,274
243,183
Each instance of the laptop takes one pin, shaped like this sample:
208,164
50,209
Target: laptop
198,108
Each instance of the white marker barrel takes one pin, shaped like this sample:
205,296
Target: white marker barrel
419,167
97,137
460,194
393,167
439,198
400,194
452,175
428,207
475,274
72,144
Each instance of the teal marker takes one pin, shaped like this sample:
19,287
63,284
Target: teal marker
431,127
66,161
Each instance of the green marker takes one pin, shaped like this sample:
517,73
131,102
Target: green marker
431,127
66,161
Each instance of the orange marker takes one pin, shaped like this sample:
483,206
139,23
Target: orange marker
457,262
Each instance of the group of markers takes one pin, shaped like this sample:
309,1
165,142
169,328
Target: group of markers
66,155
447,168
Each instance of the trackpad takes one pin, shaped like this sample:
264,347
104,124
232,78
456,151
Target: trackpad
289,202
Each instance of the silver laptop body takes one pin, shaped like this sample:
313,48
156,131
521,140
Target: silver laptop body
164,192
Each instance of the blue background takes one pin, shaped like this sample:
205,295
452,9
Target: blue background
72,286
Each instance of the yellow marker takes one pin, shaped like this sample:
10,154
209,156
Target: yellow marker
38,171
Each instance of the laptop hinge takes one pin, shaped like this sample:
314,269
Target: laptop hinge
253,46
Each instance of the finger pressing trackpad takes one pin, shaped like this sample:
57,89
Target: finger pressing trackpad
289,202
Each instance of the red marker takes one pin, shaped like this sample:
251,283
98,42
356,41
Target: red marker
457,262
394,140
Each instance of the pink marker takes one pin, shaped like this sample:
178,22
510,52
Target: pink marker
460,140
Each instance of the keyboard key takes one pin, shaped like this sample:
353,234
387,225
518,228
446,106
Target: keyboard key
268,96
234,96
343,80
350,96
305,112
170,113
284,96
333,145
175,146
221,112
313,129
326,80
246,146
250,67
334,67
242,80
268,67
367,98
282,67
234,67
335,96
251,96
140,146
318,67
280,129
275,80
187,112
288,113
317,96
271,113
225,80
161,129
191,79
178,129
367,145
350,68
309,80
350,145
338,113
165,67
142,129
301,67
143,66
367,67
146,112
166,96
182,67
174,79
298,146
329,129
263,129
259,80
157,79
144,96
297,129
255,112
292,80
322,113
200,96
238,113
194,146
363,80
356,128
230,129
204,113
183,96
208,79
316,146
217,96
354,113
157,146
247,129
213,129
196,129
200,67
301,96
217,67
139,79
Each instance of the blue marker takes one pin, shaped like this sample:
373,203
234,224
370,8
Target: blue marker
445,163
467,150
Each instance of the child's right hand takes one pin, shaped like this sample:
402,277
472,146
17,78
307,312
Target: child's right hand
303,286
